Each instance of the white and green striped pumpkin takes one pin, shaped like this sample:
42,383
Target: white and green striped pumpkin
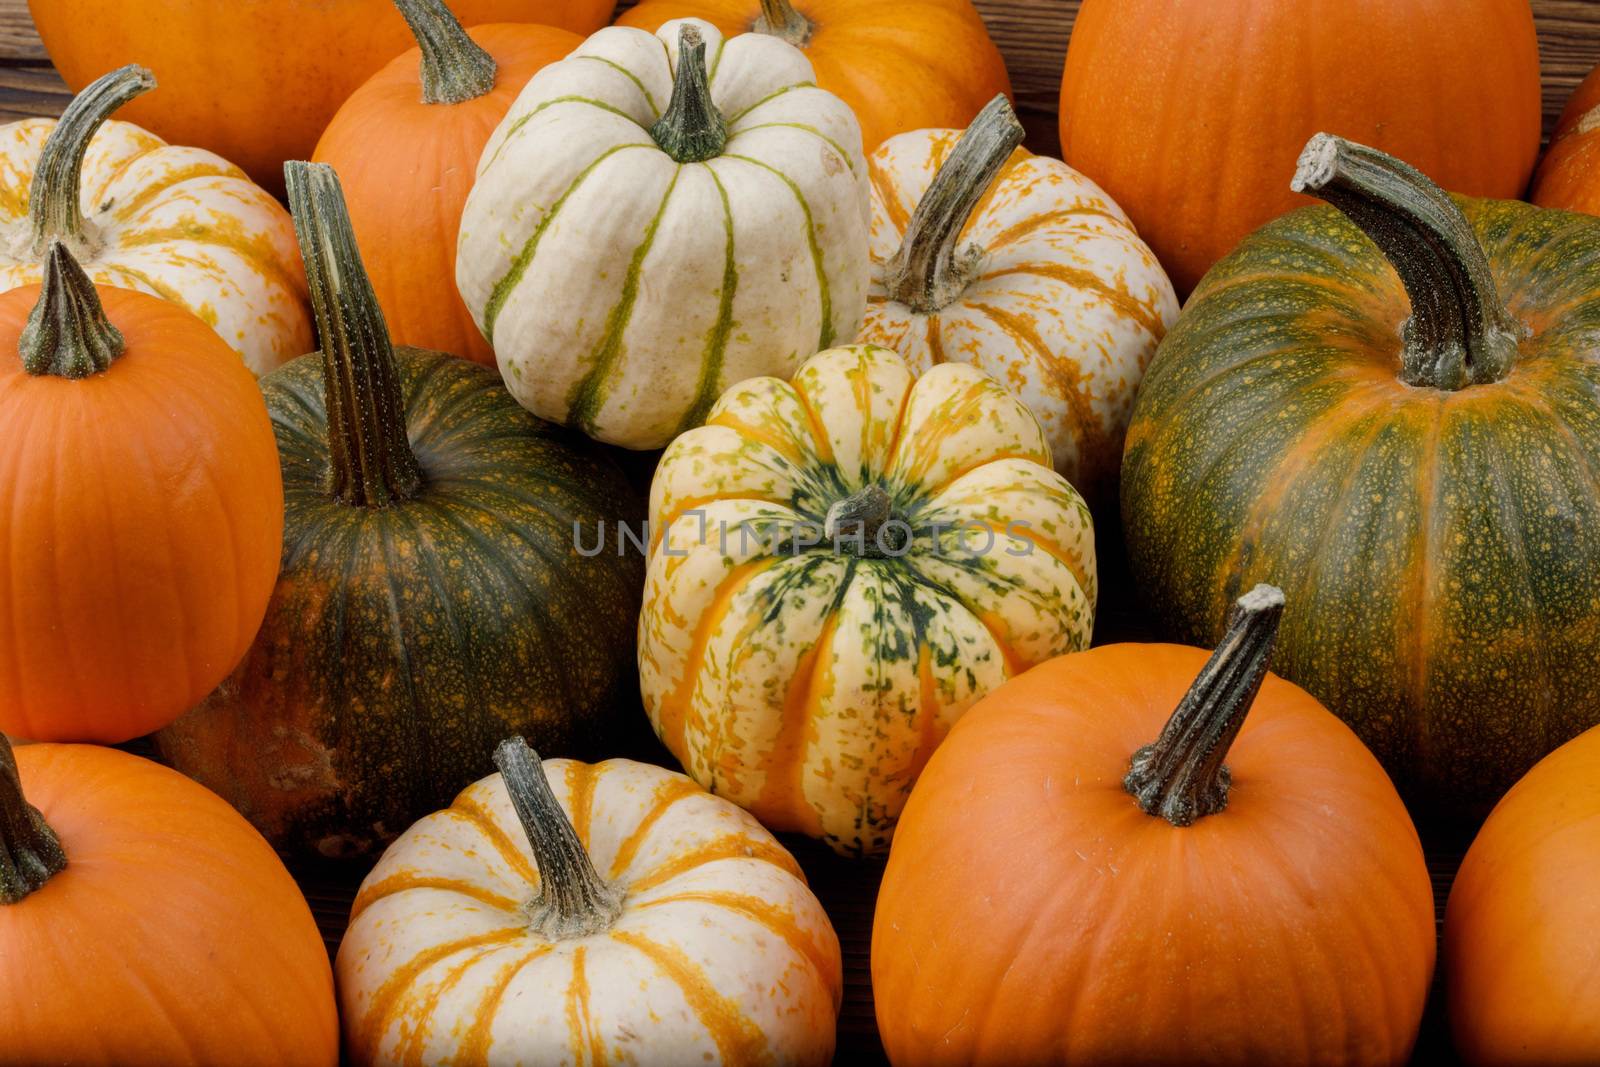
660,216
840,566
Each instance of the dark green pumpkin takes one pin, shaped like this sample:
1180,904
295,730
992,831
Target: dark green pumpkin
1407,441
431,600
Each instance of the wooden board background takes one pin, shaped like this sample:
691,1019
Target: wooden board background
1033,36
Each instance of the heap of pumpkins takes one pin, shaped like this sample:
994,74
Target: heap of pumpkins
897,365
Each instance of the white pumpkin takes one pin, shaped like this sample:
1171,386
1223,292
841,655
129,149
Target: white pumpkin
985,254
137,213
658,217
588,914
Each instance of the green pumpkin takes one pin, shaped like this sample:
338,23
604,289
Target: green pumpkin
432,599
1392,411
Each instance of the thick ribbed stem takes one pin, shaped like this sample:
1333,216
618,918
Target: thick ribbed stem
30,853
53,197
455,68
67,333
1459,332
778,18
691,130
1181,776
929,270
372,464
573,900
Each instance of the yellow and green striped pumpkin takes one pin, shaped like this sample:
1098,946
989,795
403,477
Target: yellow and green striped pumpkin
1404,435
657,218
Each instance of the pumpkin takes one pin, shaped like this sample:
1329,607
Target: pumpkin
1189,112
644,233
406,146
1569,177
1018,264
1398,428
143,922
257,80
432,593
138,213
1108,862
906,66
569,912
839,567
1519,945
143,509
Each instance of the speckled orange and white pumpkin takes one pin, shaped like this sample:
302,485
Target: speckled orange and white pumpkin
137,213
569,913
840,567
985,254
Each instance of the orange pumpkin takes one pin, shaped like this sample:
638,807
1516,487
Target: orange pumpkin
1521,956
256,81
406,146
1074,882
143,922
902,66
1191,113
144,509
1569,177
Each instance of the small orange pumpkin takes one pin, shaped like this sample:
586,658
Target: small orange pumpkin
1569,177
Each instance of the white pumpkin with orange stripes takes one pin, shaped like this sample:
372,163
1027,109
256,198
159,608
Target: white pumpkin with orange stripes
659,216
569,913
985,254
840,566
137,213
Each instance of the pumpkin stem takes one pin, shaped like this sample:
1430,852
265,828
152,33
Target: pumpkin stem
691,130
30,852
53,199
1459,332
857,522
573,900
455,68
67,333
371,462
929,270
779,18
1181,776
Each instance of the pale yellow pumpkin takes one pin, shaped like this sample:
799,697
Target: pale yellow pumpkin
569,913
840,567
986,254
137,213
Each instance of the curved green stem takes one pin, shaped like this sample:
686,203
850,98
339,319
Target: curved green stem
1181,776
372,464
779,18
691,130
30,852
67,333
455,68
53,199
930,270
573,900
1459,332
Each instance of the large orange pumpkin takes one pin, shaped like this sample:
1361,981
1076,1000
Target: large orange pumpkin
903,66
143,923
1521,956
256,81
143,509
406,146
1079,878
1569,177
1190,113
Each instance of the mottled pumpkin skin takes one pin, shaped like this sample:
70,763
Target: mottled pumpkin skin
1440,550
403,643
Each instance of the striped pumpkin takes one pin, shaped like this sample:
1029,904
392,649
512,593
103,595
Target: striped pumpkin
656,220
1016,263
137,213
588,914
839,568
